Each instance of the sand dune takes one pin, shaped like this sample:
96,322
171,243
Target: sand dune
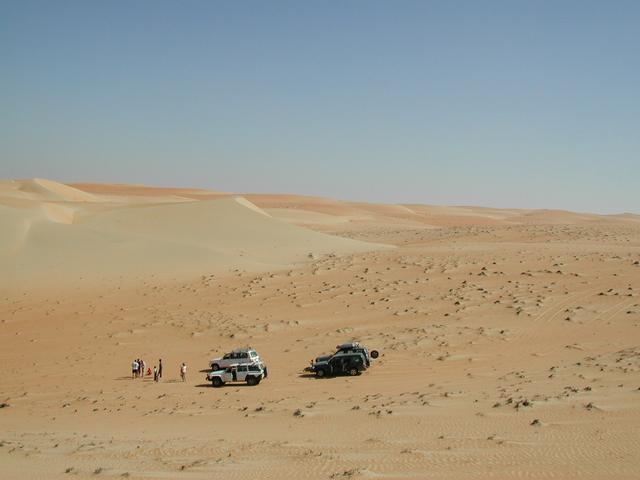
62,229
333,215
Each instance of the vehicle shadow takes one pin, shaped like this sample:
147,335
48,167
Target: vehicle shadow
314,376
208,385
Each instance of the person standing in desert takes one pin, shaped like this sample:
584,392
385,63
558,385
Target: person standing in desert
159,368
134,369
183,372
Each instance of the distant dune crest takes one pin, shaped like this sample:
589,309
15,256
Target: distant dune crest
41,189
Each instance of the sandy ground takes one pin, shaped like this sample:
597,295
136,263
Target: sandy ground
509,339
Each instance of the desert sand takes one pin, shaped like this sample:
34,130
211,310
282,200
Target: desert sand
509,339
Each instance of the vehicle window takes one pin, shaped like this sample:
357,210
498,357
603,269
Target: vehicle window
244,355
254,368
253,353
242,368
226,356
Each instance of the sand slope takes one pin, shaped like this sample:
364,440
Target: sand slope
39,189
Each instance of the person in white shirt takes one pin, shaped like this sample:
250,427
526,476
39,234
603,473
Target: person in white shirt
183,372
135,366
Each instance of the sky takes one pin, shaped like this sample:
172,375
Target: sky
530,104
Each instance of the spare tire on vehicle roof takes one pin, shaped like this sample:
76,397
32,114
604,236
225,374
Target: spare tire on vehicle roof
374,354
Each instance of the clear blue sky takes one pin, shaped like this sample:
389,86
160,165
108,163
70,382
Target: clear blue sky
511,103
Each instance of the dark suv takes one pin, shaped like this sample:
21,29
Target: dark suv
342,363
351,347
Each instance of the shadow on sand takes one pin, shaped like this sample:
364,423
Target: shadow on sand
145,379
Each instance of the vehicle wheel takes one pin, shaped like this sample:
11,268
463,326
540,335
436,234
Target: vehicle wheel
216,382
320,373
353,372
374,353
251,381
258,380
215,367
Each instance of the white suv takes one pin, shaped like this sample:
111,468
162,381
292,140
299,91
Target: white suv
252,374
237,357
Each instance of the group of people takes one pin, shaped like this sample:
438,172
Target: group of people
139,366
